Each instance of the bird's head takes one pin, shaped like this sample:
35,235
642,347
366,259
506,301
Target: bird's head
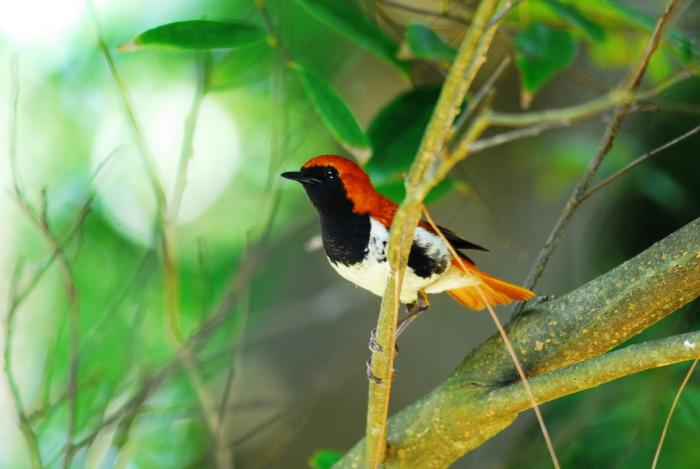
335,184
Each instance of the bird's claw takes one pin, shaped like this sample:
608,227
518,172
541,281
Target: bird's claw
373,345
371,376
542,299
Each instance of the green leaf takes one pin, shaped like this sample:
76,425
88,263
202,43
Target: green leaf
682,44
574,16
345,18
396,190
324,459
542,52
198,35
396,131
339,119
426,44
242,67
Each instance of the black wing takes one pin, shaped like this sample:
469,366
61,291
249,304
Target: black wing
457,242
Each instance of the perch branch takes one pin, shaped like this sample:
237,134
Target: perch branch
470,57
559,344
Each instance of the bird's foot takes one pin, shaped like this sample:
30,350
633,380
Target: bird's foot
373,345
538,300
374,378
371,376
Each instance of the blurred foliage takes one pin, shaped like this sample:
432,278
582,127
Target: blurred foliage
287,76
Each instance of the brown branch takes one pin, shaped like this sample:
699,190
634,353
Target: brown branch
639,161
630,85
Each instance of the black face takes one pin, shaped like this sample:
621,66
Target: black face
345,234
324,188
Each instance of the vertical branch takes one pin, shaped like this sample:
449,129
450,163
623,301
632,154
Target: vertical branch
14,298
40,220
469,59
23,420
630,85
203,66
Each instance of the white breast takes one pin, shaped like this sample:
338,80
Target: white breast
371,274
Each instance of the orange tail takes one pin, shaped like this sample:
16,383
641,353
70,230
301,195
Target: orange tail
497,292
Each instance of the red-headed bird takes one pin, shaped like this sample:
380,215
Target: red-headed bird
355,223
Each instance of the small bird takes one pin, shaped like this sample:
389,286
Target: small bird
355,224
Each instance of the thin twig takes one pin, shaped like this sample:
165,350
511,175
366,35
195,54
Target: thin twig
630,85
14,120
446,15
671,411
41,223
24,422
509,6
506,342
480,96
203,65
639,161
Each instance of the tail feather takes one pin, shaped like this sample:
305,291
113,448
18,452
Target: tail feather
496,291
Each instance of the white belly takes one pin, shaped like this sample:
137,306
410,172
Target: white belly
372,273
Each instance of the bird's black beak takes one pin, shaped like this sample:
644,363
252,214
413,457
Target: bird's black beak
293,175
298,176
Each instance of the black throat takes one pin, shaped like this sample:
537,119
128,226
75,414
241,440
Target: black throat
345,233
345,237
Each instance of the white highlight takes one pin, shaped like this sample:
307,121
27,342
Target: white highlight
689,345
125,189
32,21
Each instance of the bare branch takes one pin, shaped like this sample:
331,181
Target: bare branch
639,161
630,85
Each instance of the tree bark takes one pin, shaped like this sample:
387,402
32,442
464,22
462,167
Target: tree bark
561,345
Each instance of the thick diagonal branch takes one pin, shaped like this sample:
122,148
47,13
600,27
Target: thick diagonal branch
554,340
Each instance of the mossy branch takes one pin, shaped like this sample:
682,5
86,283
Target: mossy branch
562,345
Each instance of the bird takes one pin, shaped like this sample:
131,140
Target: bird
355,223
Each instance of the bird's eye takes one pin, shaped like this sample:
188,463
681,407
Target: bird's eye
331,174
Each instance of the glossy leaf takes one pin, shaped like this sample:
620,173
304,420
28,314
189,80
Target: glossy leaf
345,18
396,131
324,459
198,35
542,52
242,67
424,43
336,114
574,16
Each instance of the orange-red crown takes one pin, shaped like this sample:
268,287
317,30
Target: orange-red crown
358,187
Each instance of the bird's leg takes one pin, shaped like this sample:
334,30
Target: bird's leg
371,376
412,311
